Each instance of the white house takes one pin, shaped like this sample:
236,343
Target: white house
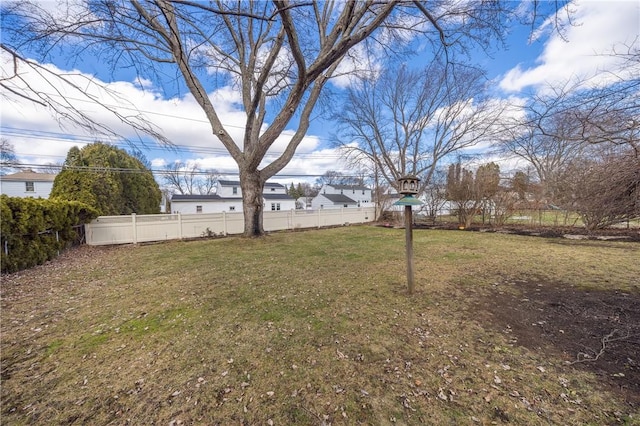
27,183
228,198
340,196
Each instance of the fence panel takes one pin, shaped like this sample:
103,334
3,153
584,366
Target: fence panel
107,230
276,220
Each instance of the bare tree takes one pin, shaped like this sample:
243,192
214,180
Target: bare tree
279,54
546,137
603,190
562,124
435,194
8,159
469,192
333,177
407,121
505,200
189,178
64,90
208,181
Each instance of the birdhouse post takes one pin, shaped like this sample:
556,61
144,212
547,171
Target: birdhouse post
408,187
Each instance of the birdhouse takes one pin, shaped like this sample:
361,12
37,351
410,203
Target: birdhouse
408,185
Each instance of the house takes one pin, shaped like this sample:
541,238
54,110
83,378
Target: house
27,183
341,196
304,203
228,198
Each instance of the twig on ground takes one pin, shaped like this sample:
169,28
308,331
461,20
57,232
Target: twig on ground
584,357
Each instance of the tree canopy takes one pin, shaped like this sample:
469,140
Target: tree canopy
407,120
108,179
279,54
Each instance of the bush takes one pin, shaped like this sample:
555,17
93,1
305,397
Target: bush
34,230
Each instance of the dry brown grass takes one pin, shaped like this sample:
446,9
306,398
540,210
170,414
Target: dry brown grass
297,328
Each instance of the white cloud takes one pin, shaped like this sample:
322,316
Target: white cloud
180,119
597,28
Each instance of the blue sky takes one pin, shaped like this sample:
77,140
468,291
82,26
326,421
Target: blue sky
523,67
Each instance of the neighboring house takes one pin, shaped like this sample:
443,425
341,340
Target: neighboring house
304,203
341,196
27,183
228,198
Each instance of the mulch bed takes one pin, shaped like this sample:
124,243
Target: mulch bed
571,232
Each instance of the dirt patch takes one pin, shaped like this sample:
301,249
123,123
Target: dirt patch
597,331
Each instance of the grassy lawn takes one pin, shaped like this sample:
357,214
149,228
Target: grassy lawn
302,328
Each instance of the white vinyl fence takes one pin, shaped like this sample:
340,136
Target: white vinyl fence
135,229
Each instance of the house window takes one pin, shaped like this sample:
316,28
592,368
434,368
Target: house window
273,190
232,208
275,206
235,190
345,205
198,209
363,192
30,187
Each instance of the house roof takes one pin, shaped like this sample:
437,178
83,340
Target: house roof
29,176
277,197
237,183
194,197
215,197
339,198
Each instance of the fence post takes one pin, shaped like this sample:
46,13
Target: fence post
135,228
224,222
319,210
179,225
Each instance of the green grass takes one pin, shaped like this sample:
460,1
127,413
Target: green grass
297,328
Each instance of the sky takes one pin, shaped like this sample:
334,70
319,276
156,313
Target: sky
526,65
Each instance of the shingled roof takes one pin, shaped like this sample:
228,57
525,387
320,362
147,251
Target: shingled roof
339,198
29,175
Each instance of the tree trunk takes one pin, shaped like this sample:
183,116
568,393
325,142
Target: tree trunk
252,203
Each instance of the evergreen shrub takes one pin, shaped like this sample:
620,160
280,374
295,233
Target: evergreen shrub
34,230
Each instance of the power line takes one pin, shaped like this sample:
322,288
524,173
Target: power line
99,169
68,138
160,114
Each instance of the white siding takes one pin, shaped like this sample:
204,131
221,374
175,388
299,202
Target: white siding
358,194
227,191
321,202
19,188
285,204
208,206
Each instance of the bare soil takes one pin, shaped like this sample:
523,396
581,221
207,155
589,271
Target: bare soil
597,331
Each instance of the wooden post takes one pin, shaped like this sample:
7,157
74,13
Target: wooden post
408,227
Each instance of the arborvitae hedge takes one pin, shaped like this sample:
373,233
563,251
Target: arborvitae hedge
28,228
